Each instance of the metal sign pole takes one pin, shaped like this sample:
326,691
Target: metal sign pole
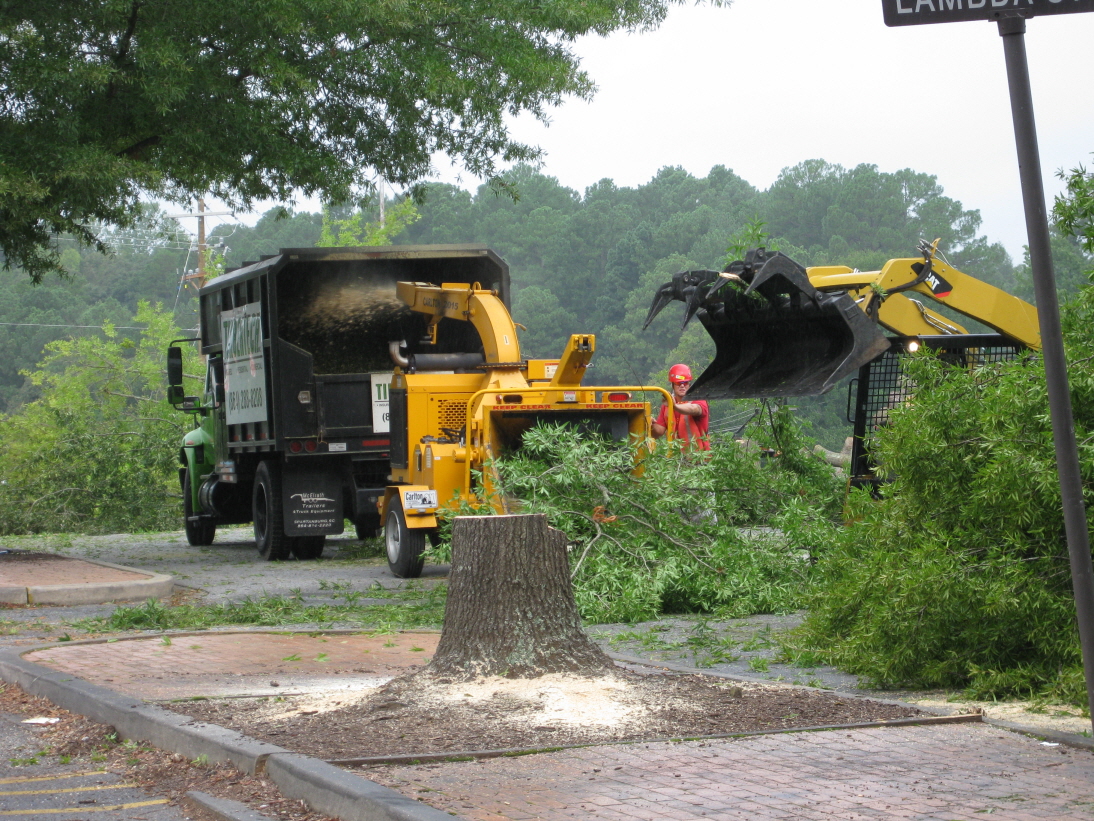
1013,30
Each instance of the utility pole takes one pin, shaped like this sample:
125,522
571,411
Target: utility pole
197,277
201,242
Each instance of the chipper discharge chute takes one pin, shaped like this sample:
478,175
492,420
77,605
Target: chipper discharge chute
775,334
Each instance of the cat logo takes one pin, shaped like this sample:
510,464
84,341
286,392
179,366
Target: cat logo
939,287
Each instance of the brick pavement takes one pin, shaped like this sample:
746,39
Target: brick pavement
946,772
212,664
941,772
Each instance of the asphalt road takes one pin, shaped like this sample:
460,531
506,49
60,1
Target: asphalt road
35,786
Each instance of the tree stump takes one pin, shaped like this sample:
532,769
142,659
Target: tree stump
511,609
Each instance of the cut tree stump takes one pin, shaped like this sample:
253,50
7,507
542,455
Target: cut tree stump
511,609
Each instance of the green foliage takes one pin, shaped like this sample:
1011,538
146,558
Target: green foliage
354,230
98,451
104,102
959,577
1073,211
276,229
725,533
1071,266
147,265
751,235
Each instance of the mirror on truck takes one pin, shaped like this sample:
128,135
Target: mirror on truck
175,394
174,366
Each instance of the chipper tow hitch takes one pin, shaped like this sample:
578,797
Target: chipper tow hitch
775,334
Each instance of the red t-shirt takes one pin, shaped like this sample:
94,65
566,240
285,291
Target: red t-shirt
689,427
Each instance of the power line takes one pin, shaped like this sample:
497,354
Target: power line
97,327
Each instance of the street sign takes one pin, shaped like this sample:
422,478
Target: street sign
919,12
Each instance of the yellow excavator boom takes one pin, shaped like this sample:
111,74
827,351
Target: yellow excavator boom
876,293
781,329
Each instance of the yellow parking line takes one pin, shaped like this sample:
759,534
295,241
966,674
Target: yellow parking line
67,789
48,777
85,809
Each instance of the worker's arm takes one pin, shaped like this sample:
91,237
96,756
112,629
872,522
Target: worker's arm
689,408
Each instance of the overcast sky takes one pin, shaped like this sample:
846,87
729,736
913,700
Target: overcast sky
764,84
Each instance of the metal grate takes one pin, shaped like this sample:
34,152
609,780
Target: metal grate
451,414
882,385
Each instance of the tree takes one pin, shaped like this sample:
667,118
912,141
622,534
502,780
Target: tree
106,101
98,451
355,230
276,229
511,608
1073,210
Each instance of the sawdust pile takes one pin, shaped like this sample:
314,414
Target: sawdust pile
417,715
558,699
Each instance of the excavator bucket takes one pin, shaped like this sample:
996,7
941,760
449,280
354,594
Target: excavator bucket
775,334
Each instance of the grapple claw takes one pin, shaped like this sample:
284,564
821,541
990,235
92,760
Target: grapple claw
690,287
795,341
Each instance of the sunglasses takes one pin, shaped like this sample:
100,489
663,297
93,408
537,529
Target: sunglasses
682,382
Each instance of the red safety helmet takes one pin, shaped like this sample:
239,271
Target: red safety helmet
679,373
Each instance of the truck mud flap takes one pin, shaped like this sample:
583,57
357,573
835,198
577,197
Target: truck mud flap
312,499
774,333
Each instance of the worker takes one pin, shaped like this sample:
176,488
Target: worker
692,418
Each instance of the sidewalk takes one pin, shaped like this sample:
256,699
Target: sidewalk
946,772
959,771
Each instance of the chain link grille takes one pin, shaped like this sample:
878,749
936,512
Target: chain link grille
882,385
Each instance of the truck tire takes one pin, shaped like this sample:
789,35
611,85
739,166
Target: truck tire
199,533
367,526
269,518
404,546
308,547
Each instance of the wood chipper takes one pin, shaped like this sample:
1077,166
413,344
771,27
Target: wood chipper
452,414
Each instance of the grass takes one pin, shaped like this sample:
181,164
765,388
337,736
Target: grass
411,607
702,644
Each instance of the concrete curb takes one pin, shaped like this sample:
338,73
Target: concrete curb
324,787
156,585
224,809
344,795
132,718
1067,739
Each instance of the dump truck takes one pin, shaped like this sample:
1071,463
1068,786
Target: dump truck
374,385
783,330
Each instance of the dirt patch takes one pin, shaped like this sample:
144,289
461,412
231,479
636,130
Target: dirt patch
415,716
79,741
